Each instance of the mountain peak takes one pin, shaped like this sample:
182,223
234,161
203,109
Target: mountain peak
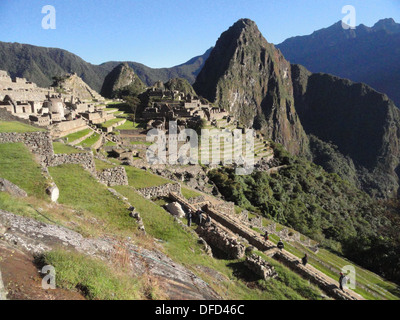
388,25
244,22
240,28
122,80
250,78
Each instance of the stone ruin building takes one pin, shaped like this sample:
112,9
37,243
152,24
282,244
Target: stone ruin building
175,106
61,113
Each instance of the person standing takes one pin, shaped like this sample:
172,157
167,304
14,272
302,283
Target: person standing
189,218
200,217
342,281
305,260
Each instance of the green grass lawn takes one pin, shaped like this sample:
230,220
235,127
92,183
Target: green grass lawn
61,148
130,125
17,165
15,126
89,142
77,135
142,179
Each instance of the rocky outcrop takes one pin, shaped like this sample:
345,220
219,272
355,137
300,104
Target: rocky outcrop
122,79
35,237
249,77
74,85
10,188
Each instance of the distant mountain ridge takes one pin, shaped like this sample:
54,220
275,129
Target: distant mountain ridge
188,70
366,54
40,65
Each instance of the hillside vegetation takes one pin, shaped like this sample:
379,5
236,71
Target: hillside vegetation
322,206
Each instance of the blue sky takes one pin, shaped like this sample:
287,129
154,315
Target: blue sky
161,33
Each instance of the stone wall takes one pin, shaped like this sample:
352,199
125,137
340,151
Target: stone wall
260,267
195,200
240,229
113,177
98,143
160,191
65,128
219,239
84,159
39,143
256,222
285,233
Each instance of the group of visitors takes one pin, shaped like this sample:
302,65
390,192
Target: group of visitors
343,279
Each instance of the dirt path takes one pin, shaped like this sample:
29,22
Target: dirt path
22,279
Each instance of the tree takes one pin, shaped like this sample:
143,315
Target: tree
133,102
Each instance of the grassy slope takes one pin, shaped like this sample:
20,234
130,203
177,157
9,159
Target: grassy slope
90,200
183,248
141,179
89,142
81,191
61,148
18,166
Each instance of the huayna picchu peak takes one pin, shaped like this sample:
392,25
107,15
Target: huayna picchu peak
251,79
